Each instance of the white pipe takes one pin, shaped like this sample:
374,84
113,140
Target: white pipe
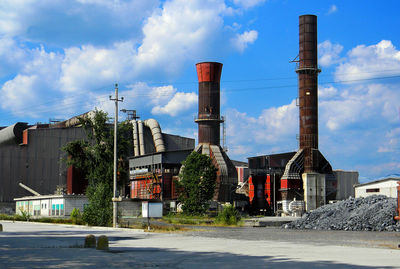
29,189
141,137
135,137
157,135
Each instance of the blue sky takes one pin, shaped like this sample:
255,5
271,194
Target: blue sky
62,58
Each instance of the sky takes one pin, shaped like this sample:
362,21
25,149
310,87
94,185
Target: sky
62,58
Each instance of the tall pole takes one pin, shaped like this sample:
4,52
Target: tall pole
114,199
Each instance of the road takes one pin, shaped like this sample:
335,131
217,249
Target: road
37,245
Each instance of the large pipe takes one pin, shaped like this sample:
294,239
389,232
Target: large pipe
156,133
135,137
308,89
141,137
29,189
12,133
209,76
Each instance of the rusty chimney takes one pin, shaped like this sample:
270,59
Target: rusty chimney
209,75
307,70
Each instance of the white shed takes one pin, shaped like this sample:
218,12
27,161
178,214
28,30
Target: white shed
386,186
57,205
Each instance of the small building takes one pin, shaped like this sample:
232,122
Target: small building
346,180
386,186
55,205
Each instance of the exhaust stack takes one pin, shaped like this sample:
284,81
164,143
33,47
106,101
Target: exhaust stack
208,120
209,75
308,71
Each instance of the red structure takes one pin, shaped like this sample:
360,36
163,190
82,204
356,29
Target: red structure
398,202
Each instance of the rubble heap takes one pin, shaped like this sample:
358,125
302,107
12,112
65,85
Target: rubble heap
373,213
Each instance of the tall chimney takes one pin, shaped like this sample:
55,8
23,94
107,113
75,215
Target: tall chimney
209,75
307,71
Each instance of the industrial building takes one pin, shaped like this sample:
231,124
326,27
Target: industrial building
302,180
386,186
155,164
32,155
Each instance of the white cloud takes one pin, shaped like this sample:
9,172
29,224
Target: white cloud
241,41
366,62
179,103
391,143
181,31
248,3
274,130
332,9
329,53
69,22
90,67
361,104
326,92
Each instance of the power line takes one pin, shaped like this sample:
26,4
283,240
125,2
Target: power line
104,96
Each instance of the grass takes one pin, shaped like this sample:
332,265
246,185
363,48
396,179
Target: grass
181,219
43,219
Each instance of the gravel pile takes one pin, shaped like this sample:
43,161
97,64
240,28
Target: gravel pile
373,213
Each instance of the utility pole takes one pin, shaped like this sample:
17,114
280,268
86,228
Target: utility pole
115,199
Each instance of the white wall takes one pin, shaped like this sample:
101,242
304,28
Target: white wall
388,188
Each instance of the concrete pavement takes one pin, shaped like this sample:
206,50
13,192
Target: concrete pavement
36,245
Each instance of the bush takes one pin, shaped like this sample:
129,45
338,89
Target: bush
228,216
76,216
90,241
102,243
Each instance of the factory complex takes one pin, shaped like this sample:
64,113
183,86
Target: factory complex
35,178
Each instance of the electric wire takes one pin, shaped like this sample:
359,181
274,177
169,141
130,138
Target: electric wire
101,99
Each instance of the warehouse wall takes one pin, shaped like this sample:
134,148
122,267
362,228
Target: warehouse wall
39,164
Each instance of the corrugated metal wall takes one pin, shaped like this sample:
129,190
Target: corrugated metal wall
38,165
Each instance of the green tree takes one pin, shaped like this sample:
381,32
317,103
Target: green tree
94,156
196,185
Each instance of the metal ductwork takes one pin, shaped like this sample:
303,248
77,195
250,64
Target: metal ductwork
135,137
141,137
12,133
156,133
307,70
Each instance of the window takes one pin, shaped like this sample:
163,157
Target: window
373,190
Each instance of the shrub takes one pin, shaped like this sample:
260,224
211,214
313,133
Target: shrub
102,243
90,241
76,216
228,216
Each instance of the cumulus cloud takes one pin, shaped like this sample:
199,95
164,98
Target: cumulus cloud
360,104
241,41
248,3
73,22
332,9
273,130
366,62
180,102
391,143
329,53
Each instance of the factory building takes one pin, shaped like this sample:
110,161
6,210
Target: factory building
386,186
301,180
156,162
32,155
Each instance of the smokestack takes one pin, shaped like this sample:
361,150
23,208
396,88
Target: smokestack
307,71
209,76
